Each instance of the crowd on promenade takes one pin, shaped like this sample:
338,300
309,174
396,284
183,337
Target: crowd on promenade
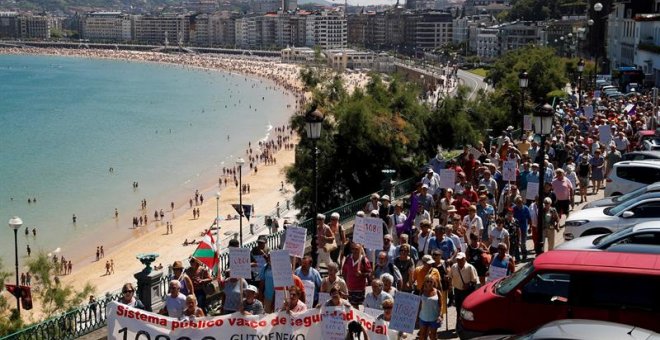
449,239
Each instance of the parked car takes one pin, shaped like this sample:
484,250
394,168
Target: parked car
651,144
647,233
558,285
601,220
614,200
641,155
637,141
581,329
627,176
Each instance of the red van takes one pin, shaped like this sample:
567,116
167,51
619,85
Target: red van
617,287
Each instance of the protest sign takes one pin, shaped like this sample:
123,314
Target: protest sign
527,123
369,232
281,263
239,263
474,152
532,190
373,311
604,134
125,322
404,314
309,293
495,273
295,241
509,171
447,178
333,328
589,111
280,297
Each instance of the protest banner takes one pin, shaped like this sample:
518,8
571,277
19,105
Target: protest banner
295,241
495,273
404,314
527,122
281,263
369,232
239,263
125,322
447,178
532,190
309,293
509,171
604,134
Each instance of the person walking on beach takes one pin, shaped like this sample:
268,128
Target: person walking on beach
34,232
102,252
74,218
70,267
98,253
107,267
116,213
112,266
29,251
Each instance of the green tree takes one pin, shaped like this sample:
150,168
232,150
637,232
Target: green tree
53,296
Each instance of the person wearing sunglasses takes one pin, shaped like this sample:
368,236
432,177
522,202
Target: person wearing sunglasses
128,297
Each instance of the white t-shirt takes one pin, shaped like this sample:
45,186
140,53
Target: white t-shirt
473,225
175,306
498,236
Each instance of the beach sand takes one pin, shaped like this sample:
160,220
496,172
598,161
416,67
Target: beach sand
265,190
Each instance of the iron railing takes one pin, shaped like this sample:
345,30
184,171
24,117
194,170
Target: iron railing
90,317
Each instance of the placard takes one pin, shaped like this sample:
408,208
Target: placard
369,232
589,111
495,273
509,171
323,298
373,311
334,327
447,178
261,262
404,314
474,152
281,263
239,263
295,241
604,134
309,293
527,122
532,190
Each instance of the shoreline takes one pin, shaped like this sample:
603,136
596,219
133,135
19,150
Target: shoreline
150,237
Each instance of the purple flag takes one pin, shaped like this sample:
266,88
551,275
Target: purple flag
406,226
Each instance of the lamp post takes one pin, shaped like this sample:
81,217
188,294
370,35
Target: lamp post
240,163
580,69
15,223
542,127
523,83
217,217
597,8
313,126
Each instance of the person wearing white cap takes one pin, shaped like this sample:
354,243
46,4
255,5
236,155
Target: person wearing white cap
340,236
426,199
251,305
425,270
385,211
373,204
464,279
432,180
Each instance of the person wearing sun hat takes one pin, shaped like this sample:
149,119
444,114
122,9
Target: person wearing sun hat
250,305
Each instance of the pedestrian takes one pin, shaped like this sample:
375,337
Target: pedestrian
112,266
464,279
29,251
98,253
430,314
102,252
107,267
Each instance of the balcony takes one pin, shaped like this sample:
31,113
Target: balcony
649,47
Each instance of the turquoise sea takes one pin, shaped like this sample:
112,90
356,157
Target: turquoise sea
66,121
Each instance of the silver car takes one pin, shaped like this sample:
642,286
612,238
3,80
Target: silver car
646,234
614,200
581,329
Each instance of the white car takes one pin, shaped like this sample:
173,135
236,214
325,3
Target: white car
627,176
604,220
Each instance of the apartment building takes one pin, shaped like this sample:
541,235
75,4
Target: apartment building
161,29
107,27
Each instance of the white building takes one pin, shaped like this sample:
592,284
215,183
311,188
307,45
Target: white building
107,26
328,30
487,43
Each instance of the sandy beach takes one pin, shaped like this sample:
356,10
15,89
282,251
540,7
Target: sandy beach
267,186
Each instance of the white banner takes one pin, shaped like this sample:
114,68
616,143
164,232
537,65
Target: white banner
125,322
295,241
447,178
239,263
532,190
369,232
281,263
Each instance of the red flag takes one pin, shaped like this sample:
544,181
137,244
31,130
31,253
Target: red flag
26,297
14,290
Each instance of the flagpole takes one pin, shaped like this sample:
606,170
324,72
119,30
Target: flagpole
217,219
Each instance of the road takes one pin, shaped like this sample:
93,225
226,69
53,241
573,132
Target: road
473,81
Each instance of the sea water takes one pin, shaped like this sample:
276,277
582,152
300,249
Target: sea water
65,122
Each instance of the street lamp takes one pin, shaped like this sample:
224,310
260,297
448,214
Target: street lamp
542,127
597,8
313,126
217,217
15,223
580,69
523,83
240,163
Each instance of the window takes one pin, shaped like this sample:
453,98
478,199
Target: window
617,291
647,210
641,238
546,286
640,174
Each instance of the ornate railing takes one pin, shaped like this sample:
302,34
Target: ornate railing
90,317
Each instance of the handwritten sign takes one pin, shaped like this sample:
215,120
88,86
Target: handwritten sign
369,232
373,311
509,171
495,273
447,178
604,134
323,298
527,123
309,293
334,327
261,262
404,313
532,190
282,275
239,263
295,241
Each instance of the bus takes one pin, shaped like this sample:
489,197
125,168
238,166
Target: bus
627,75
